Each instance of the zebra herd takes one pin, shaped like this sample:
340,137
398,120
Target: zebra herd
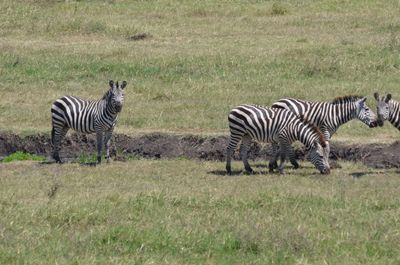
286,121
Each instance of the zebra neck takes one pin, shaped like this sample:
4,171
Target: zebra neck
304,134
394,113
343,113
109,111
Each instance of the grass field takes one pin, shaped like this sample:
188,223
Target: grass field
186,212
199,59
202,58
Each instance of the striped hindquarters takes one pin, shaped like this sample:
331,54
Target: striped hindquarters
75,113
262,124
394,113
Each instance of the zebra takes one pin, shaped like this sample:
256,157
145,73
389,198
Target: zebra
328,116
280,126
388,109
87,116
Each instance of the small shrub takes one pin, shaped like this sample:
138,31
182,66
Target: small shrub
19,156
278,9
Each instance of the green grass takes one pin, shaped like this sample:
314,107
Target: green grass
202,58
20,156
186,212
87,158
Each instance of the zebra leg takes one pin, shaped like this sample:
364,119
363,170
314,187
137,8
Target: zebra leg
284,149
275,153
99,136
327,149
292,156
233,141
244,150
57,134
107,142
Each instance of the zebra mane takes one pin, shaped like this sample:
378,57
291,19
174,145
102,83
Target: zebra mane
315,129
106,95
346,99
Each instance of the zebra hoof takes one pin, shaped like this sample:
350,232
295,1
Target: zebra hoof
228,170
58,160
273,165
250,171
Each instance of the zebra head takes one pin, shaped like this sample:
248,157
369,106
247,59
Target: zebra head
116,95
382,107
364,113
317,155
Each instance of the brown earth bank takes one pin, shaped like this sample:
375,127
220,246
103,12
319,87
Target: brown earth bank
161,145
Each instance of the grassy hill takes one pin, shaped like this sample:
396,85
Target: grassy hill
197,60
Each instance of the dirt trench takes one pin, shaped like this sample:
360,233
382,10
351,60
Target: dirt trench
161,145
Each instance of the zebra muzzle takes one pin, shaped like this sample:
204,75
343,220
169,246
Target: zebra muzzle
118,108
326,171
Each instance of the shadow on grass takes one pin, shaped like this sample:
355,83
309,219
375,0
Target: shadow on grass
90,164
239,173
358,175
47,162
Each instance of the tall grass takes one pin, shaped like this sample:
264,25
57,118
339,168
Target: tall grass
202,58
187,212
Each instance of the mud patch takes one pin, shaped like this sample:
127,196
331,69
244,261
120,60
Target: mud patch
160,145
140,36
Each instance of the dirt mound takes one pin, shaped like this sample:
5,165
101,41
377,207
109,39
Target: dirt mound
160,145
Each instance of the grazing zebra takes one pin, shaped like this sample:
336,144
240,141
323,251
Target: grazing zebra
280,126
328,116
388,109
87,116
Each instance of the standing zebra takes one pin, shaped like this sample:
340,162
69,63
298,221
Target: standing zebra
87,116
280,126
328,116
388,109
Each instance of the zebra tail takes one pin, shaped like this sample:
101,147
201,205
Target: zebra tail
52,136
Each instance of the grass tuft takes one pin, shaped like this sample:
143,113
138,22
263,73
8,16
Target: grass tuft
21,156
278,9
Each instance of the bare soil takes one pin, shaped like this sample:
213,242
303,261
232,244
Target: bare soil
160,145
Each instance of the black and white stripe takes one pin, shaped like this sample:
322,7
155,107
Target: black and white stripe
87,116
329,116
280,126
388,109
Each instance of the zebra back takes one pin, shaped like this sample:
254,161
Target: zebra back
328,116
270,124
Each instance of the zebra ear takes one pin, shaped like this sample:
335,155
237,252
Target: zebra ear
111,83
124,83
376,96
388,97
362,101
